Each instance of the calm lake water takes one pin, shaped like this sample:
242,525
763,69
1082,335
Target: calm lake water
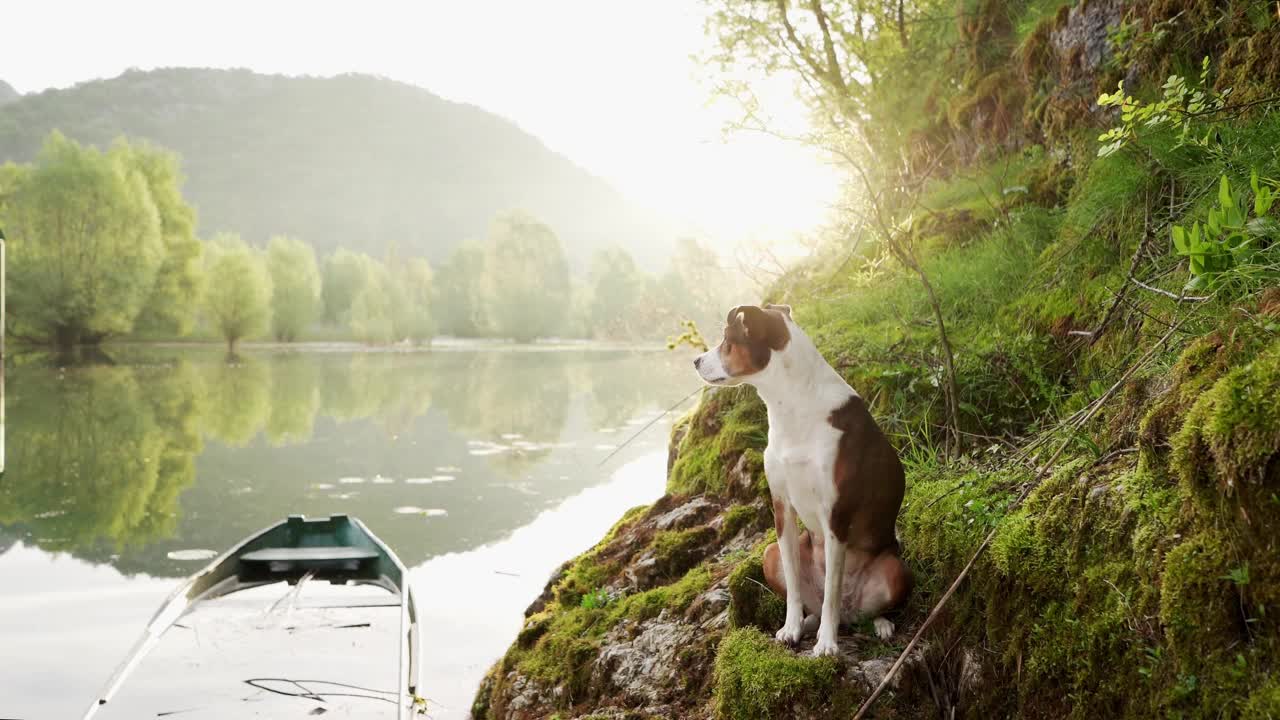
479,467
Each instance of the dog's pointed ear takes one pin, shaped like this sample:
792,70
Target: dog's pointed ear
784,309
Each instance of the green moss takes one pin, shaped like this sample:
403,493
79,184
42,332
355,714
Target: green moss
1232,432
738,517
717,432
675,551
582,577
757,677
1196,602
588,571
674,598
1263,703
566,645
752,603
558,646
1251,66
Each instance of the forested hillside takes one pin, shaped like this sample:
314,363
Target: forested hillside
1056,286
7,93
386,215
353,161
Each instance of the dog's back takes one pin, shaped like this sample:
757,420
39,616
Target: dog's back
869,481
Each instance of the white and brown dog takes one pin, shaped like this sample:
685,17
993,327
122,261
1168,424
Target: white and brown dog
828,463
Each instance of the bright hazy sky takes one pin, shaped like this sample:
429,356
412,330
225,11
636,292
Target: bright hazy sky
608,83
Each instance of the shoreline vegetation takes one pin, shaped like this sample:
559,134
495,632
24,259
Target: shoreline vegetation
1056,280
102,246
437,344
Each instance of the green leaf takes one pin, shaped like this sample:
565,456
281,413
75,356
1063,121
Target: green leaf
1262,202
1180,239
1224,193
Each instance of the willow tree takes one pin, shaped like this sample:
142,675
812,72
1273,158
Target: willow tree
86,242
412,285
171,305
237,301
295,287
458,298
616,284
526,278
345,275
371,320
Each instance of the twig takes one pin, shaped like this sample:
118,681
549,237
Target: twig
648,425
1133,267
1166,293
915,639
1113,455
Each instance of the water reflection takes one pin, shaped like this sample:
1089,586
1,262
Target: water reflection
180,449
98,456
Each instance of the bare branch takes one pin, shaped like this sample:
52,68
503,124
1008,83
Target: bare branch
1172,296
801,49
834,74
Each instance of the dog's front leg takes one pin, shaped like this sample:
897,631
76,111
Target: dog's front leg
788,543
831,595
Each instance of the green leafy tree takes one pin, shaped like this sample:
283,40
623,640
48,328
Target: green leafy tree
345,275
371,311
695,287
459,292
526,278
238,299
295,287
616,285
86,243
172,303
412,299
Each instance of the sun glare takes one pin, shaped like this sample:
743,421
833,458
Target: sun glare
588,78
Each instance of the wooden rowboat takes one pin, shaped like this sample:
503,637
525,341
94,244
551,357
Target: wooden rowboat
259,633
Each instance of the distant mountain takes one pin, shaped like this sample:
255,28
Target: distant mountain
7,93
355,161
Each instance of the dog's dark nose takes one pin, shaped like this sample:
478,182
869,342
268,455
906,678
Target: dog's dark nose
697,362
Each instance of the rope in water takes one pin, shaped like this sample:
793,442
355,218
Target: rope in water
309,694
648,425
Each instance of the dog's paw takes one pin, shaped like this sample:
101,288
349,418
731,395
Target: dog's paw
884,628
825,646
789,634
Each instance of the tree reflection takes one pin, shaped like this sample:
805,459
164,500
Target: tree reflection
356,388
517,401
98,454
237,400
295,398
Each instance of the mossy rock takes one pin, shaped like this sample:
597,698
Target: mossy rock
751,602
719,430
1197,603
741,516
757,677
677,551
1232,433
